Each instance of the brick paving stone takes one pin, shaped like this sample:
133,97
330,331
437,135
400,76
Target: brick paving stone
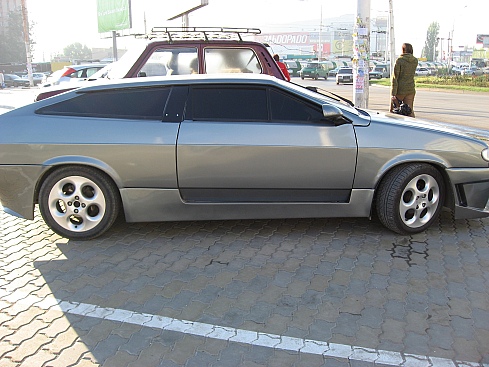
185,348
69,356
122,359
339,283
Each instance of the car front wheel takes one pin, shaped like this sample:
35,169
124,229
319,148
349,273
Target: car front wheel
79,202
410,198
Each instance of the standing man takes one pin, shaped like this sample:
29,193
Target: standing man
282,67
402,82
2,80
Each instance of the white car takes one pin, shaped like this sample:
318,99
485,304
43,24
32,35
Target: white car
73,73
422,71
473,70
38,78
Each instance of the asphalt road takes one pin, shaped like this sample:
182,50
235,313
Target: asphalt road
453,107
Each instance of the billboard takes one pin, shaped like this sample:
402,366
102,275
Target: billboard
482,38
179,8
113,15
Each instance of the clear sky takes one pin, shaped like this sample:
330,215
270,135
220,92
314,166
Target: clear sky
58,23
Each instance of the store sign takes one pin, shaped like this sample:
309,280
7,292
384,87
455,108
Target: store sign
285,38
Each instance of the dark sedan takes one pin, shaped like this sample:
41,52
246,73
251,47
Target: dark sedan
203,147
12,80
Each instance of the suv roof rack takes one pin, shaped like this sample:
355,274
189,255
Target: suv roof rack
199,33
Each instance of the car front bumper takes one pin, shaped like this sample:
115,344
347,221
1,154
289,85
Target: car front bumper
471,192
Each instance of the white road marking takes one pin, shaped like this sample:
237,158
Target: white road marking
232,334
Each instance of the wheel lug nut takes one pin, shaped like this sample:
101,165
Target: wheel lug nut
76,210
77,198
70,203
84,205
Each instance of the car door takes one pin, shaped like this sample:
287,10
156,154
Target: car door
242,143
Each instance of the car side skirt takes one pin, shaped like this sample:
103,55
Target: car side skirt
158,205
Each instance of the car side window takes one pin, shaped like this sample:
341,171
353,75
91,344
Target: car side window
170,61
143,104
284,107
229,103
231,60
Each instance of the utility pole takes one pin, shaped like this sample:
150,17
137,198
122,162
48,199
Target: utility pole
361,54
27,42
392,41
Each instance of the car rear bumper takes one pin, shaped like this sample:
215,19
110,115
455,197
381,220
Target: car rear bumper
17,187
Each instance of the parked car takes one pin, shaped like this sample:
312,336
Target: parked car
190,147
13,80
473,71
169,51
345,75
293,67
372,74
459,69
314,70
37,78
384,69
422,71
333,72
73,73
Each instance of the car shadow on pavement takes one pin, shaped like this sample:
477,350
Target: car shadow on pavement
346,281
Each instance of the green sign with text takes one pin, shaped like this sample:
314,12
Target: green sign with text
113,15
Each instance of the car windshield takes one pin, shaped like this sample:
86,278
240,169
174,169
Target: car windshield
311,65
345,71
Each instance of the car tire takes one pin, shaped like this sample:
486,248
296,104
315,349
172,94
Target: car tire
316,77
302,77
410,197
79,202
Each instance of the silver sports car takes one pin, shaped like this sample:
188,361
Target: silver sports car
230,147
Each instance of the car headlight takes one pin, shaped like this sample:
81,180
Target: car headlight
485,154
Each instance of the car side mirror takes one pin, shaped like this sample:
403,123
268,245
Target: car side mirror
141,74
334,114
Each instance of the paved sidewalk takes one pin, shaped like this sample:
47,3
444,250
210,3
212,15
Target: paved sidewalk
339,292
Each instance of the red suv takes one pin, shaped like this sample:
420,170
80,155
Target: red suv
196,50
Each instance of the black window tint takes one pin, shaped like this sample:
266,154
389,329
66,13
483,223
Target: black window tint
230,103
145,103
288,108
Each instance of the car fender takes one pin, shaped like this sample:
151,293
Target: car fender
411,157
59,161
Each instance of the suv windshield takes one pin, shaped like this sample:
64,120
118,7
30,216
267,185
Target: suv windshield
120,68
345,71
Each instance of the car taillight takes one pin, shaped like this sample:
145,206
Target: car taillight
68,72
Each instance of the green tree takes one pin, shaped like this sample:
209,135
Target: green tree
12,46
77,51
431,41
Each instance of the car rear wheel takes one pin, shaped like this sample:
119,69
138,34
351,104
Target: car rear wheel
79,202
410,198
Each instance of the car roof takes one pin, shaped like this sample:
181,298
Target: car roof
82,66
180,79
